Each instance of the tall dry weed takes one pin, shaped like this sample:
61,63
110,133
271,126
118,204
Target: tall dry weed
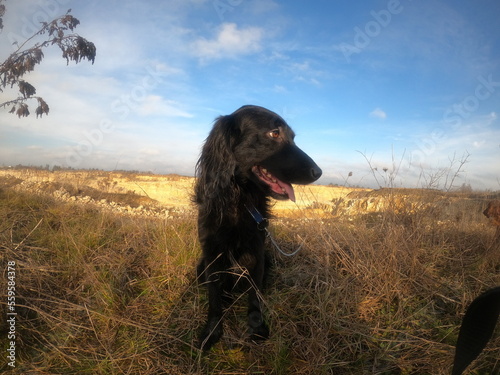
379,292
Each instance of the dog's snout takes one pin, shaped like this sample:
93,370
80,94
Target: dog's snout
316,172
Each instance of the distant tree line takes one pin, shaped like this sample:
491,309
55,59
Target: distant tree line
56,168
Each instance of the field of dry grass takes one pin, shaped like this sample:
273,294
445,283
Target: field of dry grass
167,191
105,279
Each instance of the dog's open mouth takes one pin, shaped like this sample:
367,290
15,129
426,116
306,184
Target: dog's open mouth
281,188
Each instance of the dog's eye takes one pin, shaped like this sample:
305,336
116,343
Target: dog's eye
274,133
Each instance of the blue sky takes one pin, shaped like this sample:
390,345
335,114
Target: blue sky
407,86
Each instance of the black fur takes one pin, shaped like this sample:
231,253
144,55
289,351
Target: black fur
248,157
477,328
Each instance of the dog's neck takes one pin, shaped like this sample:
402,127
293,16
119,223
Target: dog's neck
257,216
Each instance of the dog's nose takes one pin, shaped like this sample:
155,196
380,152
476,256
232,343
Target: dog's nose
316,172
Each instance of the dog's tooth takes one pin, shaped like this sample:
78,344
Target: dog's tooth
264,170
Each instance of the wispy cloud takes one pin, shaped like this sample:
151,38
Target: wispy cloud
229,42
165,70
262,6
155,105
378,113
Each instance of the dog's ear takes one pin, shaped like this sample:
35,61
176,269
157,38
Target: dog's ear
217,164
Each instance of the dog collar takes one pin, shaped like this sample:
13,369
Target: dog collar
257,216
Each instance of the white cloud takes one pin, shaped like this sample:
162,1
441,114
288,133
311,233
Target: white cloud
492,116
262,6
229,42
280,89
378,113
305,71
156,105
312,81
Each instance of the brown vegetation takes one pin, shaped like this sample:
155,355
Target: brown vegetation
379,287
492,212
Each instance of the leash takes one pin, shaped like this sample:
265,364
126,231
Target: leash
262,225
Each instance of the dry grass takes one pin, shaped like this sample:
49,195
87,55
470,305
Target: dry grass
379,292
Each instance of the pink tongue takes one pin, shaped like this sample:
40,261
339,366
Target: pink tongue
289,190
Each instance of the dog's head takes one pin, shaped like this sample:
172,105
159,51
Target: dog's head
493,212
258,145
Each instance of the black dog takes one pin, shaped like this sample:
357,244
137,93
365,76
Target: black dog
248,157
477,328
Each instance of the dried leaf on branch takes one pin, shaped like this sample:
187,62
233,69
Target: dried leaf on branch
29,54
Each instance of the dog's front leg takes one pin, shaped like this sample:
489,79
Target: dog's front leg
257,327
212,332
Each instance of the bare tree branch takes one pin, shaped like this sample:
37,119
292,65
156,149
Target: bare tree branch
25,58
2,12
